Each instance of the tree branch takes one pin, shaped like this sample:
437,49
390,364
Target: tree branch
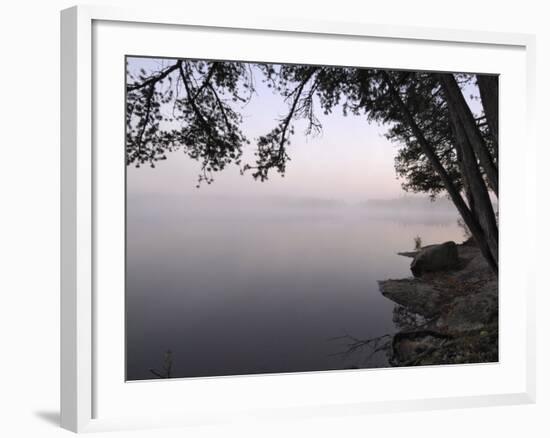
154,79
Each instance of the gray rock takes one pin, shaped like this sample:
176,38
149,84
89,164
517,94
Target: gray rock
417,296
435,258
405,320
411,254
409,348
448,316
471,312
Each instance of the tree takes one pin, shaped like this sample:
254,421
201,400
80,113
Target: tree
444,146
200,120
430,125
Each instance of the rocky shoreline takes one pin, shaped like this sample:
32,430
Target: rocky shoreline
449,316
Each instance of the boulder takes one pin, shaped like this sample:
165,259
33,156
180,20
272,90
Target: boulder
435,258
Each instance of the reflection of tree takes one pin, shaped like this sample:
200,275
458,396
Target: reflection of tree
370,347
166,372
445,147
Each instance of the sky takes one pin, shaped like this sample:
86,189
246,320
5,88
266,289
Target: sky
349,161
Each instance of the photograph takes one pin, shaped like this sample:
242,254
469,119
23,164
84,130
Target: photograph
289,218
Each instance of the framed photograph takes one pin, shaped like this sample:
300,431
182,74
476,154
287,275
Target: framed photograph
276,219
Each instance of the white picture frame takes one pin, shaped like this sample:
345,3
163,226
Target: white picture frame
84,381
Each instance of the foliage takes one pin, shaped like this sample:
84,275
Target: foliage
187,106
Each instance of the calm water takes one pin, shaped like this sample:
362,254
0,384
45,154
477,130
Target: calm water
263,287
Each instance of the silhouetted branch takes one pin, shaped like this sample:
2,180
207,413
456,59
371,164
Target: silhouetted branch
149,100
220,105
272,146
154,79
206,82
354,345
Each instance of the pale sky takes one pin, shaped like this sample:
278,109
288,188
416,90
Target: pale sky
350,161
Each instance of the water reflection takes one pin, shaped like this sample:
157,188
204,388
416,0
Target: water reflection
166,371
363,352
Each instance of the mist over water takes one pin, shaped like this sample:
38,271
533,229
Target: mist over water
259,285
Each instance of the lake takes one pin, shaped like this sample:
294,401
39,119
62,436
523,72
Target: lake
239,286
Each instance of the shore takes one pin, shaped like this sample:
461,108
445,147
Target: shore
446,317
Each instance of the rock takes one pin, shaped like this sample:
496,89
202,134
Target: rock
405,320
417,296
435,258
411,254
471,312
410,348
449,315
475,267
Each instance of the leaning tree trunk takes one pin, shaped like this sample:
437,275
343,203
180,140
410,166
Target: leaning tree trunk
469,218
465,184
475,184
488,91
456,100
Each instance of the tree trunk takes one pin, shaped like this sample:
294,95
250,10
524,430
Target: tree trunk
469,218
488,91
476,186
456,101
465,184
